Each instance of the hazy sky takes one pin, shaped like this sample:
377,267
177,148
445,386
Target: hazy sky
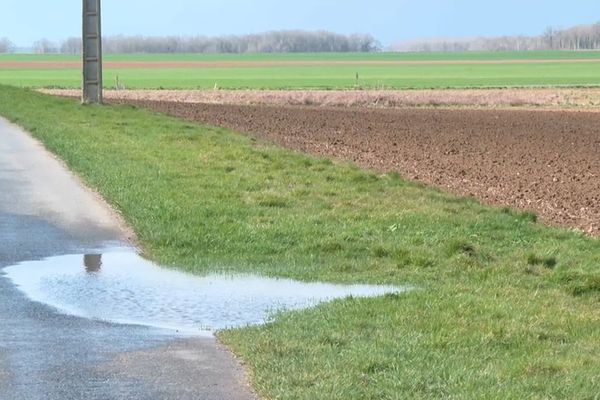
388,20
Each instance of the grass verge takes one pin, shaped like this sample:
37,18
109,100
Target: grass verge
508,308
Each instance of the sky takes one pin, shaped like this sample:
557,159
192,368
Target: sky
389,21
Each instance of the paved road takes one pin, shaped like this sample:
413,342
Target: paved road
45,211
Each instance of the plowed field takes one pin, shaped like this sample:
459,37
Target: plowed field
544,161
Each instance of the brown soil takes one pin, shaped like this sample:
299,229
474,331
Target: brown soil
263,64
490,98
545,161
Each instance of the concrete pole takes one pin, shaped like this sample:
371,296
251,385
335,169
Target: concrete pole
92,52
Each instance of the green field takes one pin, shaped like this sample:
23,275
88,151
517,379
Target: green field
505,307
546,71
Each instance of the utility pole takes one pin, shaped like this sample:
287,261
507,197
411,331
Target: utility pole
92,52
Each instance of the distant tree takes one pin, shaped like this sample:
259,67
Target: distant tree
71,46
6,46
582,37
45,46
548,37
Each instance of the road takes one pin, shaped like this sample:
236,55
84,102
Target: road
45,211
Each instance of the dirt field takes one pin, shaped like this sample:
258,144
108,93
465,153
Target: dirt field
545,161
271,63
502,98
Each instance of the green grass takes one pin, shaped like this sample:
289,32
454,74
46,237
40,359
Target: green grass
507,308
550,73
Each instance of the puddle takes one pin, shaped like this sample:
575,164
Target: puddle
121,287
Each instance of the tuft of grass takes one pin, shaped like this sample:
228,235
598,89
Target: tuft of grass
273,201
480,324
381,252
547,262
460,246
580,283
529,216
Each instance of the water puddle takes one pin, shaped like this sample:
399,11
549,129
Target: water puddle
121,287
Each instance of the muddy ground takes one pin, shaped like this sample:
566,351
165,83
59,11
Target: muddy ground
539,160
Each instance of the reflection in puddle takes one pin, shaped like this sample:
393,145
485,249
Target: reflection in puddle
92,262
119,286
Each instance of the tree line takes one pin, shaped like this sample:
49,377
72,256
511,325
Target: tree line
6,46
270,42
581,37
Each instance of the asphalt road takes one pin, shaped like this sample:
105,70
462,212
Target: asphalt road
45,211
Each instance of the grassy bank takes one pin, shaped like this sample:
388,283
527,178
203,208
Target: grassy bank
507,308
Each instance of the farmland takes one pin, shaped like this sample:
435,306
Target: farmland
506,307
314,71
504,157
335,185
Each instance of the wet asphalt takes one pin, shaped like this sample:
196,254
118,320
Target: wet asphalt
44,212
